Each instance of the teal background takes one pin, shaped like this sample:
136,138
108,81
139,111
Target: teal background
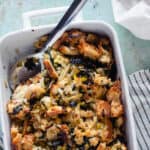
136,52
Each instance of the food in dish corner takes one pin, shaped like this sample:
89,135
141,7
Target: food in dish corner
74,103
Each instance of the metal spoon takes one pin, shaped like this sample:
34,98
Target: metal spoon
33,63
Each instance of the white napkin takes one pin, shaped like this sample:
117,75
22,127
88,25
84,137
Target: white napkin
133,15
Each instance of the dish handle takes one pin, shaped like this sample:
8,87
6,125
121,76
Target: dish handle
52,11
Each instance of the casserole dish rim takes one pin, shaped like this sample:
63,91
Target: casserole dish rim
119,64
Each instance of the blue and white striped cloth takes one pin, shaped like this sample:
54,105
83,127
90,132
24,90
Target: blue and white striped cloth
139,85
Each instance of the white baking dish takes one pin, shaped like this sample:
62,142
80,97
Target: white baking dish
23,40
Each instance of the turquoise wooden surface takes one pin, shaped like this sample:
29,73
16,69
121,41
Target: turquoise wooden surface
136,52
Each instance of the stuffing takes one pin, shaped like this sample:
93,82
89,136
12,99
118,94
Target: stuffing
20,92
118,145
55,110
16,141
102,80
34,91
86,114
79,136
116,109
89,50
47,101
38,148
102,146
40,43
49,67
68,50
114,93
52,132
105,58
119,121
73,102
59,59
27,142
103,109
40,123
107,131
27,92
98,91
58,43
92,38
94,141
17,111
14,131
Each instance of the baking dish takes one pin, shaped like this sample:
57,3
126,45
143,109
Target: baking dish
19,43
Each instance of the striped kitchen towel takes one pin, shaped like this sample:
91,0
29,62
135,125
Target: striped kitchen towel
139,85
1,140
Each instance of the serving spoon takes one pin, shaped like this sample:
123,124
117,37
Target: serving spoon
34,63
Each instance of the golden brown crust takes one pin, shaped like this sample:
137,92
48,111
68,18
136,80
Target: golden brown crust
27,142
57,44
73,103
114,98
34,91
107,132
49,67
116,109
114,93
103,109
40,43
68,50
16,141
101,146
55,110
89,50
